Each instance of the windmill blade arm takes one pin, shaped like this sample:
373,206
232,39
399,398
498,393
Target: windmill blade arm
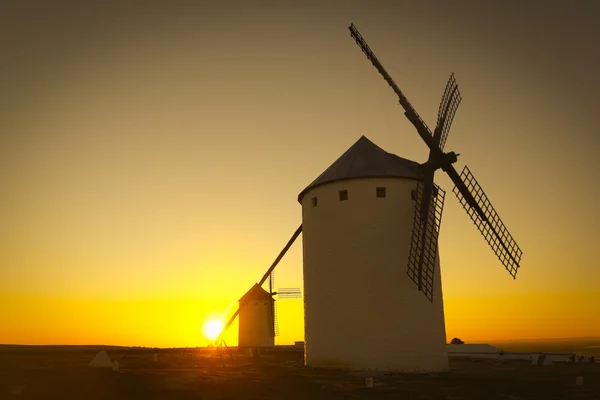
281,254
410,111
464,191
228,324
488,222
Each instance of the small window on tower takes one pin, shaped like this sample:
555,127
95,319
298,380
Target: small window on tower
314,201
343,195
380,192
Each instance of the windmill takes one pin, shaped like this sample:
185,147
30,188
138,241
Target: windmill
282,293
429,198
366,215
220,341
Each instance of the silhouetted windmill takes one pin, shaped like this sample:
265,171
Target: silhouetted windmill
429,197
220,340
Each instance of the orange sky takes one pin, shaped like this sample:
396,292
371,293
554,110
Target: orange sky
150,160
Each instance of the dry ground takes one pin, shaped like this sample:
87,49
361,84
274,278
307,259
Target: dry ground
201,374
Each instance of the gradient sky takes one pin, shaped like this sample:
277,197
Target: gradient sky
150,156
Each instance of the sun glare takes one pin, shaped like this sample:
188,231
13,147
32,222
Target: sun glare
212,328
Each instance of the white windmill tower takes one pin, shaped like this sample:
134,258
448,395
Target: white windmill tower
361,310
363,220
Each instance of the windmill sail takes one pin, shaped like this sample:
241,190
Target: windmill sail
448,106
275,322
271,281
424,240
489,223
289,293
273,325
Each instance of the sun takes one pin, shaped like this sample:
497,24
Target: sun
212,328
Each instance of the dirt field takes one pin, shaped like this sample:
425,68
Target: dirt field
201,374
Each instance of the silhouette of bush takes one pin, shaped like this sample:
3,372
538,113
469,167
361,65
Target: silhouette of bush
457,341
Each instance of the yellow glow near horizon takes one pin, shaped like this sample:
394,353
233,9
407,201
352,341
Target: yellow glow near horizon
212,328
147,187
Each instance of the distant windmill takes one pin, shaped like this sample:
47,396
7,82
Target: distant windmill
258,315
257,291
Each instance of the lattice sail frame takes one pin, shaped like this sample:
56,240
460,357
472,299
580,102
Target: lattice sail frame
493,230
429,246
449,104
284,293
289,293
273,325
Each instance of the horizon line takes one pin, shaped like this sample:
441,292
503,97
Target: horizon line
192,347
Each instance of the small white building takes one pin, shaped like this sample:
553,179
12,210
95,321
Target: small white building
255,320
362,311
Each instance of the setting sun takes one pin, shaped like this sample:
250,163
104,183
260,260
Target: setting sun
212,328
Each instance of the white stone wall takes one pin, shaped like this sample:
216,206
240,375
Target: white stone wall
362,311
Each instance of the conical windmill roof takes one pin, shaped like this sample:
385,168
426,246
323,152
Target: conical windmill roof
366,159
256,293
